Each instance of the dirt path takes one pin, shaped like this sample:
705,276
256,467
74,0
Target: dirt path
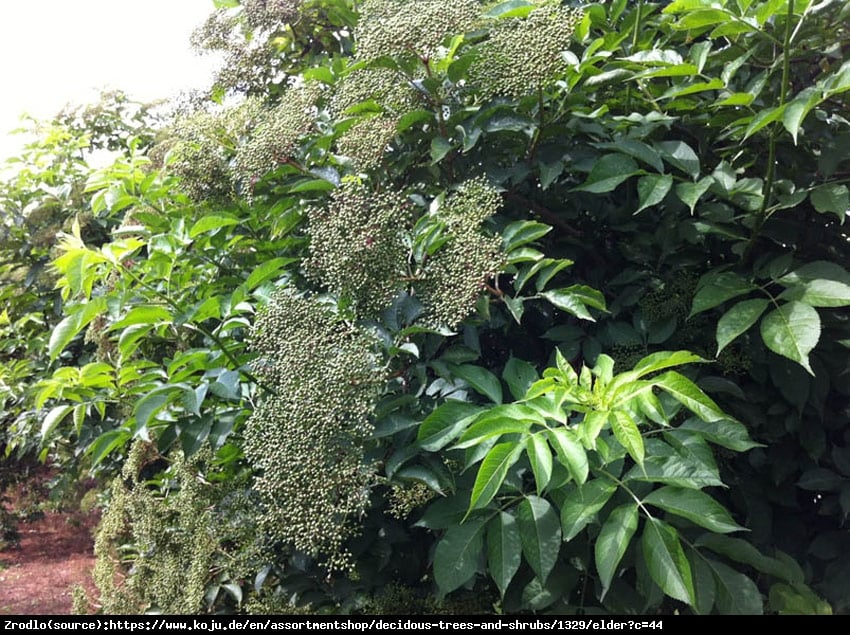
55,553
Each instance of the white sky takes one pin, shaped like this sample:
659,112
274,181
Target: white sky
54,52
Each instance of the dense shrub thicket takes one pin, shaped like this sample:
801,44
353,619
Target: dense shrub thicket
516,306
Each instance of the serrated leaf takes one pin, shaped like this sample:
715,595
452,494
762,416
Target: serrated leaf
540,534
612,542
736,593
592,425
504,550
695,505
664,359
583,503
792,330
652,189
627,433
492,473
510,419
71,325
705,588
741,551
608,173
715,289
445,423
689,395
764,118
482,381
570,451
457,555
725,433
666,562
738,320
540,457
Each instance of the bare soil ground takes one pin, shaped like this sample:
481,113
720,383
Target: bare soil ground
54,553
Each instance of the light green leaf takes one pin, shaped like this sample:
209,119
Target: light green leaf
445,423
695,505
583,503
831,198
569,301
496,422
519,375
492,473
665,359
819,293
792,330
570,452
210,222
440,147
668,567
457,555
715,288
689,395
265,271
704,17
738,320
690,193
540,457
53,419
627,433
764,118
521,233
504,550
591,426
798,108
736,594
481,380
612,542
608,173
680,155
71,325
652,189
540,534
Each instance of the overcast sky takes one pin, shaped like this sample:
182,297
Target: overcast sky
54,52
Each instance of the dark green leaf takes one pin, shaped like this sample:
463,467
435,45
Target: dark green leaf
736,593
612,542
832,198
504,549
725,433
738,320
666,561
492,473
582,504
680,155
608,173
540,534
481,380
540,457
457,555
519,375
445,423
715,289
697,506
570,451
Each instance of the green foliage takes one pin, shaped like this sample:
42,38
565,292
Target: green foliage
378,281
